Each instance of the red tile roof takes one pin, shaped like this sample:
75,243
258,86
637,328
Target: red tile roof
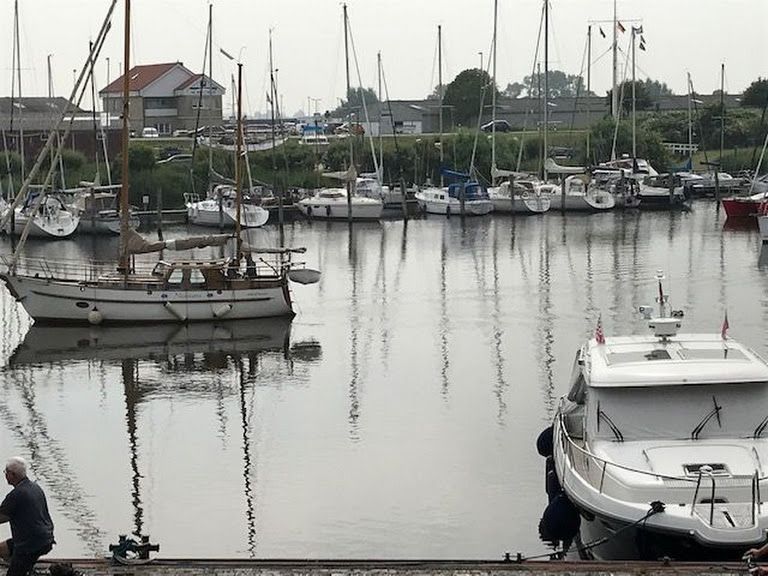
188,82
140,77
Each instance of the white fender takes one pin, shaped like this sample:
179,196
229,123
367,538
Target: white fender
222,310
174,310
95,317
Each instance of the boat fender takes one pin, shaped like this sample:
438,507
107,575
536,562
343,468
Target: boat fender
551,481
328,211
95,317
560,521
448,211
222,310
545,442
524,195
309,212
174,310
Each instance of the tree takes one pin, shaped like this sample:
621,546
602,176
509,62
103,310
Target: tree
466,93
756,94
561,85
643,100
355,97
655,89
514,90
436,93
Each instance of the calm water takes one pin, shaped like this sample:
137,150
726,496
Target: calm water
395,417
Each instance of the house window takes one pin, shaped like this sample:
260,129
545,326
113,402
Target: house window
159,103
163,127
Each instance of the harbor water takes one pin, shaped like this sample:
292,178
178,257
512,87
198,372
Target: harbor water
394,417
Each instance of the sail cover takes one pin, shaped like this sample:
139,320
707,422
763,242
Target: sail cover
554,168
349,175
136,244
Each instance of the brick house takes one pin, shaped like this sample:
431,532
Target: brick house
167,97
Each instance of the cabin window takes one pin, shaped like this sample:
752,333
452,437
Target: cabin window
176,277
196,277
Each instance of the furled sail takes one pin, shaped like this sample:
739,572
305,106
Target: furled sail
136,244
554,168
349,175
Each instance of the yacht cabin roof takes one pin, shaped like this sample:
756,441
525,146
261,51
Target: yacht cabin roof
685,359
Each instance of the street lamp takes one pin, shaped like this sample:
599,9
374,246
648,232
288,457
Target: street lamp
481,60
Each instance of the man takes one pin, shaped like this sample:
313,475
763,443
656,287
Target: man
26,509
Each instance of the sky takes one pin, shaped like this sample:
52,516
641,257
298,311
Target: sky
682,36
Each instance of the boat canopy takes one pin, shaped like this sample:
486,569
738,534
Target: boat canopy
685,359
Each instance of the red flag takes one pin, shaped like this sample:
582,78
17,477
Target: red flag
599,336
724,329
620,27
601,31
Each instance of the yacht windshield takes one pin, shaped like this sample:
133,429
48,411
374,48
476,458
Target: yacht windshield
679,412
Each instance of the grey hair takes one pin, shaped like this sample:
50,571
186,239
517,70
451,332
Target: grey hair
18,466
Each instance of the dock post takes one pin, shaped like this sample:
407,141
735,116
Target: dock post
159,213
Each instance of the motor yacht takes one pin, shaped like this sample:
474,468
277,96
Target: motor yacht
447,201
333,204
660,445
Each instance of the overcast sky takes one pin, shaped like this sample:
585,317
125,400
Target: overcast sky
682,36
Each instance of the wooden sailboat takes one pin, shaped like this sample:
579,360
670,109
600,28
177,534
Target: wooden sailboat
170,291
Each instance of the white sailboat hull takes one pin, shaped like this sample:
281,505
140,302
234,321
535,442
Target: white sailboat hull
452,206
61,226
517,205
330,209
72,302
762,222
207,213
597,201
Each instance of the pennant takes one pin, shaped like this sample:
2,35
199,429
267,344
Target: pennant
269,100
601,31
638,30
599,336
620,27
642,38
642,47
724,329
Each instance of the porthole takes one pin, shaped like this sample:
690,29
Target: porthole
82,304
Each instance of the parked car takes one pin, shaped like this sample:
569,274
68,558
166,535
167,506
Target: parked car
347,128
150,132
501,126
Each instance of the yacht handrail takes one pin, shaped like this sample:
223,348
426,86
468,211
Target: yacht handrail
568,444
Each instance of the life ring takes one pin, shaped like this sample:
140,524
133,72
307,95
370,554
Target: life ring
524,195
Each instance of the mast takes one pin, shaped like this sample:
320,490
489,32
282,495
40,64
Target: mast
442,94
238,159
18,72
210,99
589,88
615,49
546,86
690,119
493,97
634,111
346,50
381,136
273,96
722,112
124,207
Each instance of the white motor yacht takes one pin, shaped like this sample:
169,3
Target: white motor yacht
371,187
522,196
660,446
220,209
333,204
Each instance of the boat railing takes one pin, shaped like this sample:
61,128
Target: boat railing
571,448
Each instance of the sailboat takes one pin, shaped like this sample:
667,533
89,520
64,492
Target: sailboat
170,291
465,197
219,207
521,196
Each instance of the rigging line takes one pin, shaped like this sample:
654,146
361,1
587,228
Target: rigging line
199,107
365,107
434,67
621,102
579,85
529,90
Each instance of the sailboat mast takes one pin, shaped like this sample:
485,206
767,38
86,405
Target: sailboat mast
346,50
239,157
381,136
546,85
615,49
690,119
442,94
634,102
210,97
18,72
493,90
722,112
589,89
124,206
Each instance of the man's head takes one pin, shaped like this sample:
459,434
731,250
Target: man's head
15,470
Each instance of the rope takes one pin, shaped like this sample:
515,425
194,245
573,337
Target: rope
656,507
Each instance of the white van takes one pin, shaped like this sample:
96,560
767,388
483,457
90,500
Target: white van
150,132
